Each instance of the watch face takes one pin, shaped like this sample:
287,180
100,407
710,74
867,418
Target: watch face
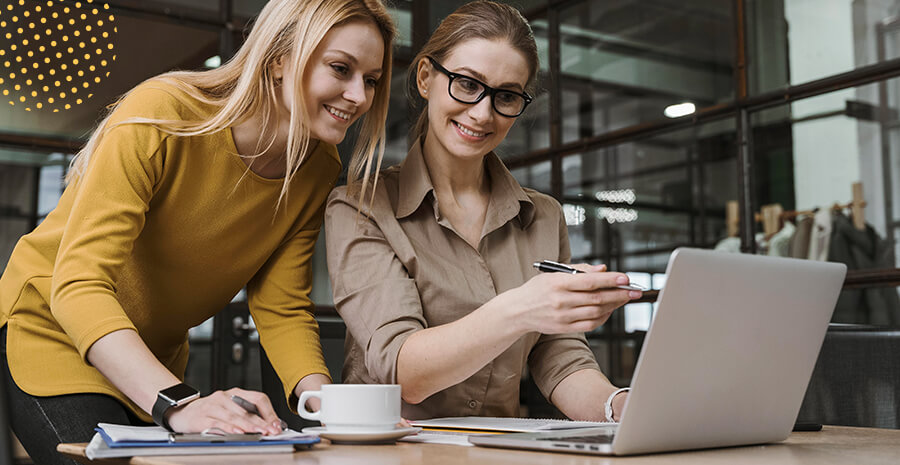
180,393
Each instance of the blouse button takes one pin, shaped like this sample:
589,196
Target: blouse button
473,404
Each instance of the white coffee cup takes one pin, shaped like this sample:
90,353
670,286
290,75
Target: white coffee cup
354,407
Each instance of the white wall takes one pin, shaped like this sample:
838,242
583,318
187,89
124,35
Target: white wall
826,38
826,151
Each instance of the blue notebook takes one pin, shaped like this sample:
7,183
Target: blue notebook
130,441
304,440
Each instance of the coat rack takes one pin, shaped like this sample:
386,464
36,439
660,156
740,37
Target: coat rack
773,216
732,218
857,207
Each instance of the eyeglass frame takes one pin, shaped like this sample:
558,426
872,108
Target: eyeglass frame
488,90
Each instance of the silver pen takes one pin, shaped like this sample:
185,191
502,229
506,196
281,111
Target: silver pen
549,266
250,407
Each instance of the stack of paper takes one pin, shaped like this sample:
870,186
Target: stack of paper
504,425
456,430
128,441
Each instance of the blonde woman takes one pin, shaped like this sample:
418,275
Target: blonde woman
437,286
195,185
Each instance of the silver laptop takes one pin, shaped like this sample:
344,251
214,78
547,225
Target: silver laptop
726,361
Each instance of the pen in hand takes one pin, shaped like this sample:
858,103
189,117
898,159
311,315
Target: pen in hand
250,407
549,266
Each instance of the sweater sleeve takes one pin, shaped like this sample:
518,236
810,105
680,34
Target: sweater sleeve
108,213
278,296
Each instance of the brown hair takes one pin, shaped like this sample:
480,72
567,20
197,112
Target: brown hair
476,20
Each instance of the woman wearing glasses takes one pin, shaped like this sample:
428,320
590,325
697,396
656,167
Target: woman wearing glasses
434,277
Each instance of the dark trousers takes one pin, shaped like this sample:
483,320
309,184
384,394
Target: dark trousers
41,423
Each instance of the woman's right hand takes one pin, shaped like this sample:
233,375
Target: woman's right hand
217,410
555,303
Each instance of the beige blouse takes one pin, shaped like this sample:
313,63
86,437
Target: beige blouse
401,267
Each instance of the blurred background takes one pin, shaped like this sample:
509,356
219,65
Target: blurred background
740,125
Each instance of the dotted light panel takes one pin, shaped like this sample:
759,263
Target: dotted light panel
54,54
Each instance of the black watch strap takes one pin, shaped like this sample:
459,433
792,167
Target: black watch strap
160,408
169,398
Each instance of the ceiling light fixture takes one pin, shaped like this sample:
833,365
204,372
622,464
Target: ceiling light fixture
616,196
575,214
679,110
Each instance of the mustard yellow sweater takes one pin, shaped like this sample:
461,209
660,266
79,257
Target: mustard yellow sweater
157,236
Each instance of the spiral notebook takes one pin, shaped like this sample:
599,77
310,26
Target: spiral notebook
128,441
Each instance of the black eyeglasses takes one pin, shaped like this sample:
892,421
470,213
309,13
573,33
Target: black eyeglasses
465,89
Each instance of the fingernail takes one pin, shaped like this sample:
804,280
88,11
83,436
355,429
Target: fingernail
634,294
622,280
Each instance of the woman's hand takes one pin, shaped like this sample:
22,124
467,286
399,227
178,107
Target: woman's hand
434,358
217,410
618,405
311,382
554,303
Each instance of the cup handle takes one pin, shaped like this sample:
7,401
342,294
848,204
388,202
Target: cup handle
301,405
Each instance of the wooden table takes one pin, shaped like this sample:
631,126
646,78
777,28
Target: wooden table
833,445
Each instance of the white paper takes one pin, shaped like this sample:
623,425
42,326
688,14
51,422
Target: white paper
518,425
285,435
121,433
439,437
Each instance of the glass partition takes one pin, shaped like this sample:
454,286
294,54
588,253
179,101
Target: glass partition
792,42
30,186
625,63
827,166
649,196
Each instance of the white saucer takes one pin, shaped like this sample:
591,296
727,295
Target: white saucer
360,436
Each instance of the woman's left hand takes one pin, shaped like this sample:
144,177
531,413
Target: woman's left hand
618,405
312,382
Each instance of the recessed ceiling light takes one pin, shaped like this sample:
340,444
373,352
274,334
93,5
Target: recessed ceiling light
679,110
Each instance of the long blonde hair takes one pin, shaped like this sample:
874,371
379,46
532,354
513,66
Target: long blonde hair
244,86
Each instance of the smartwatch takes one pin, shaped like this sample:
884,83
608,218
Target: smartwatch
169,398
